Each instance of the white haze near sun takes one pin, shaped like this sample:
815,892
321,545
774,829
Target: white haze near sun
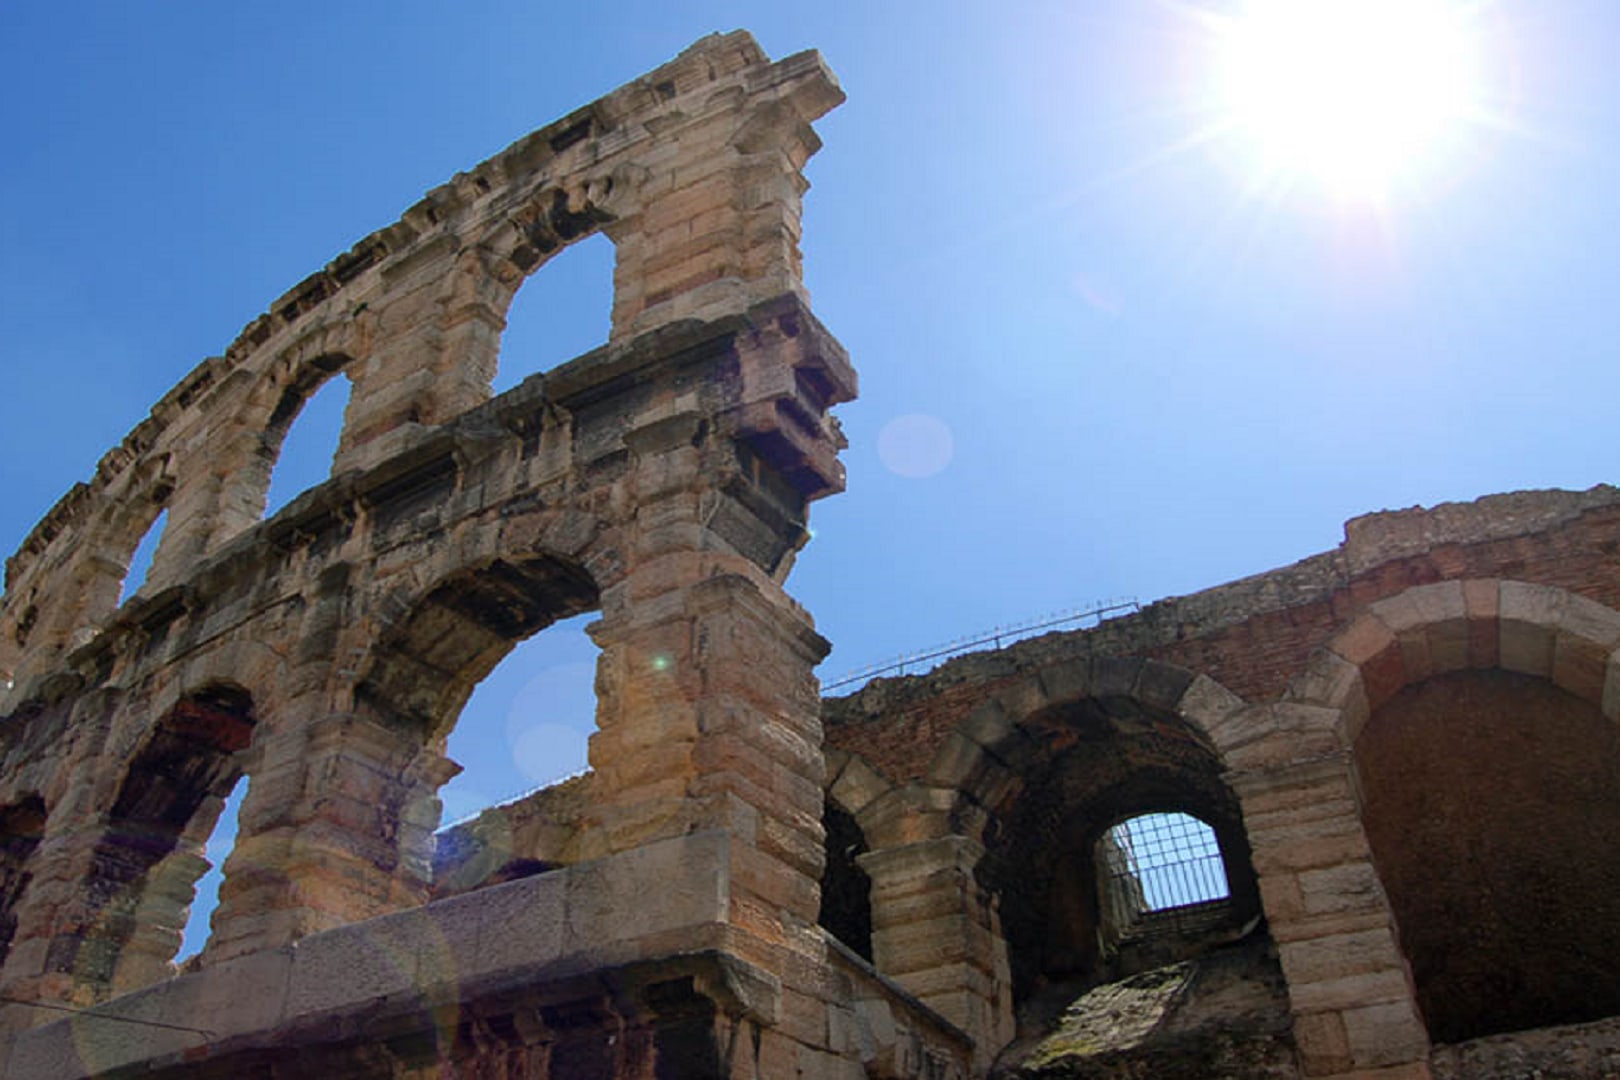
1360,97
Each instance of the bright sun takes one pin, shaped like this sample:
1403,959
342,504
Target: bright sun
1355,93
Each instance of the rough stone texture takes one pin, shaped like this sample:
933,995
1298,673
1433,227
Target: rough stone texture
1491,801
1285,684
662,480
1225,1014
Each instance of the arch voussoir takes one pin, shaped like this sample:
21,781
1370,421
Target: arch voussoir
1428,630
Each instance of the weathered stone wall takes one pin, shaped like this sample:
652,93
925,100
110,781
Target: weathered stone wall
1491,799
1256,635
323,655
977,786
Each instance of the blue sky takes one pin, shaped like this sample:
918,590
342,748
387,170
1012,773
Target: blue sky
1154,376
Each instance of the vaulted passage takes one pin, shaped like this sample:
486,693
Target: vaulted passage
146,865
1492,804
1077,907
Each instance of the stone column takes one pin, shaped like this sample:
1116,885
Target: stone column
42,963
1348,982
721,220
432,348
935,932
337,827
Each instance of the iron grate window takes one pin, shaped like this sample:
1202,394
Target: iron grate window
1163,861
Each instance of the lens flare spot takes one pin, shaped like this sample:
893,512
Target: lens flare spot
915,446
549,752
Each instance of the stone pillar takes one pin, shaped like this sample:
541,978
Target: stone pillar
721,222
935,932
432,354
337,827
1348,983
42,962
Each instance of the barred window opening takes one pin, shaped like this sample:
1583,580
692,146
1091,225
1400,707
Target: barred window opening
1161,862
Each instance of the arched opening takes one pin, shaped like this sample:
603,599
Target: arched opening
846,889
1085,902
1160,873
526,723
562,310
423,678
132,911
302,437
194,935
140,560
21,826
1491,801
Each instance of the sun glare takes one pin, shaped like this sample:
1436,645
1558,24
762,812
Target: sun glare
1355,93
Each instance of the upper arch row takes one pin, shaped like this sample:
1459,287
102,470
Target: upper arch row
1420,632
413,313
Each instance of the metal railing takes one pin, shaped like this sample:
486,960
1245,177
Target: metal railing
995,638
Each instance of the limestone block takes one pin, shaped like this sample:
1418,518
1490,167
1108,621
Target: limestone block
959,759
691,875
1324,1046
1268,736
1400,613
1347,991
1337,955
241,996
1114,676
857,786
1328,680
908,866
398,956
1590,621
1351,886
1310,844
989,724
1364,640
1067,681
1580,666
1529,617
1611,687
1416,663
931,944
1023,698
1206,702
1387,1033
1280,897
1448,645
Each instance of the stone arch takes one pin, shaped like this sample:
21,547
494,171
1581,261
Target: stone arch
245,461
67,610
986,754
940,921
1067,753
354,784
1479,719
422,671
123,929
1428,630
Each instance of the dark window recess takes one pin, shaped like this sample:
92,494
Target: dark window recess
1158,870
846,890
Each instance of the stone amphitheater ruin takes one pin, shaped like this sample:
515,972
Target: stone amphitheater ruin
1399,756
